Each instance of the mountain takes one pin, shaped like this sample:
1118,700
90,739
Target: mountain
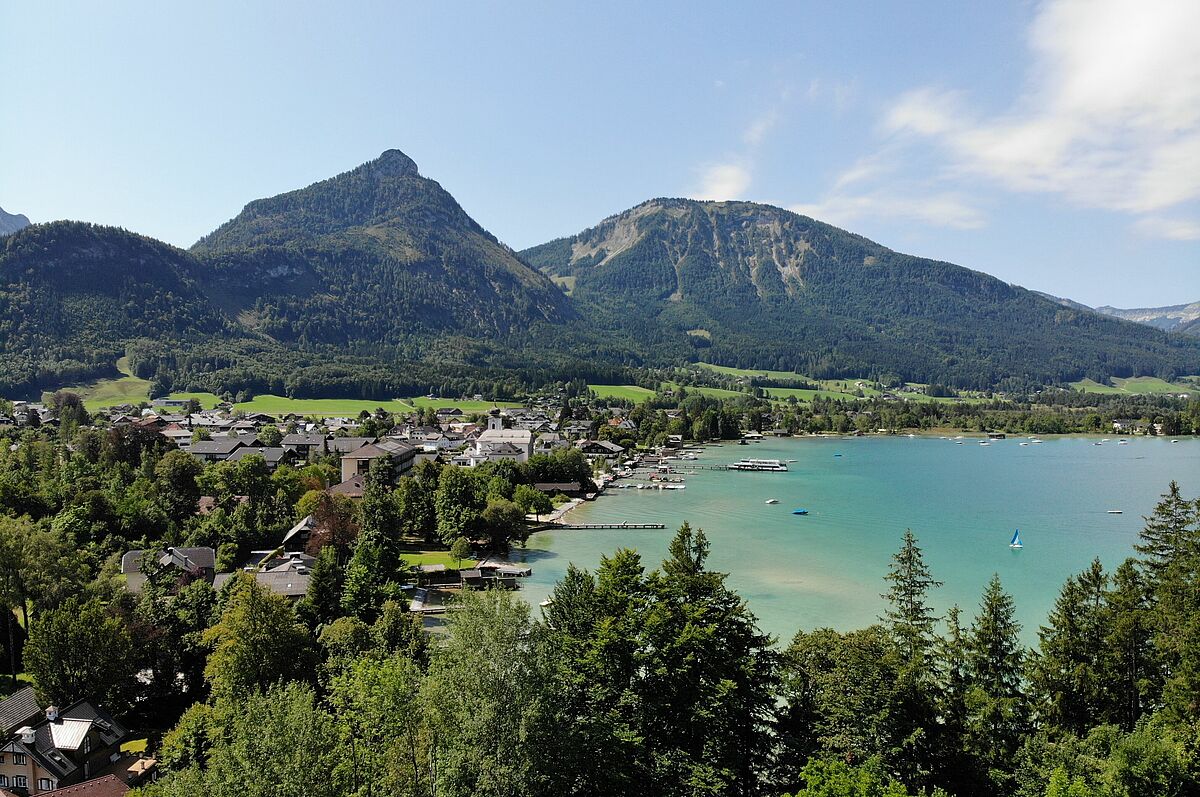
1182,318
371,282
751,285
73,294
10,223
376,283
376,255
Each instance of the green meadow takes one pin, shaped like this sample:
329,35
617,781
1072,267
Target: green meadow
1137,385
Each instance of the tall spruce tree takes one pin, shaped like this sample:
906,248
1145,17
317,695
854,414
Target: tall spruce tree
1132,676
1069,674
997,714
909,616
1172,532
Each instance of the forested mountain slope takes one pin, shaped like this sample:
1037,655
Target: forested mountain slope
377,254
758,286
72,295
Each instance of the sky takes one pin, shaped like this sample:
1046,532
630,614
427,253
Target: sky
1053,144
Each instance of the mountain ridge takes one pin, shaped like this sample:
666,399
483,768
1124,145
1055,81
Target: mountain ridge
761,286
377,280
11,222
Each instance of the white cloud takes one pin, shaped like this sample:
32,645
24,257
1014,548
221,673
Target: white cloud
722,181
1110,117
945,209
1174,229
758,129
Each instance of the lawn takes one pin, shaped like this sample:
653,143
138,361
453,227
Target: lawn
348,408
712,392
128,389
415,558
749,372
1138,385
630,392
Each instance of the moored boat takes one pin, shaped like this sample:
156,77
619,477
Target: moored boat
757,464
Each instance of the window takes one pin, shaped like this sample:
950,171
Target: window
3,780
19,759
1,758
44,784
20,781
87,745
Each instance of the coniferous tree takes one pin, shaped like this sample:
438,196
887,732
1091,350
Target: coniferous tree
997,715
1132,676
1172,532
909,615
1068,674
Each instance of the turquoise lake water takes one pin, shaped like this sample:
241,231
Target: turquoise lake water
961,501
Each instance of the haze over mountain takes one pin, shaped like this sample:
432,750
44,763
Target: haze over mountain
376,282
758,286
10,223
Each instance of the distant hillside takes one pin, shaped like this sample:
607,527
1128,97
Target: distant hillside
1183,318
10,223
73,294
751,285
378,254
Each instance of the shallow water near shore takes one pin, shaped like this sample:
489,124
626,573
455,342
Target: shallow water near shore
962,502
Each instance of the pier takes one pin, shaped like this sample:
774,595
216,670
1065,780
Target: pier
573,526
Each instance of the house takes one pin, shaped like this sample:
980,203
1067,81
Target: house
216,450
285,574
105,786
19,708
605,449
190,564
297,536
354,487
306,445
63,748
358,461
344,445
567,488
274,456
548,442
178,435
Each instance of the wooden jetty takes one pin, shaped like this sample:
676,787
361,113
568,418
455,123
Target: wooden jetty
609,526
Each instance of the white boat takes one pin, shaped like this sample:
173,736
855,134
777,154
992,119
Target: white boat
1114,511
1023,443
772,500
984,443
1016,540
758,465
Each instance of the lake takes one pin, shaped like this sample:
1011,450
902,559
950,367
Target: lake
962,502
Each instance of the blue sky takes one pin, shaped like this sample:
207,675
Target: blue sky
1053,144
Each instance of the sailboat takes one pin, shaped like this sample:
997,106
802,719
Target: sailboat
1016,540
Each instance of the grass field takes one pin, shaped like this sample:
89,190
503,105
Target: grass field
1137,385
128,389
347,408
415,558
630,392
713,392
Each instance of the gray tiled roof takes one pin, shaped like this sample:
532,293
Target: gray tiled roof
18,709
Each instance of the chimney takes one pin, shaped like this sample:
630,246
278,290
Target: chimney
27,735
52,713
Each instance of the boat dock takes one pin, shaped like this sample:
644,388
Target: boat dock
573,526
